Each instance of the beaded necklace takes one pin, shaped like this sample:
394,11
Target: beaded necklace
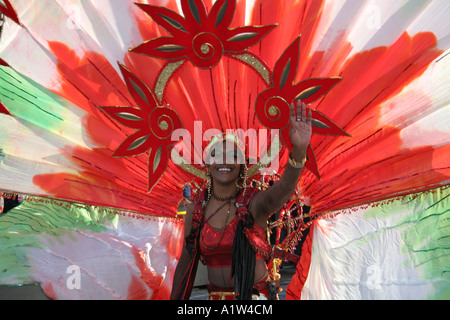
221,233
227,200
234,196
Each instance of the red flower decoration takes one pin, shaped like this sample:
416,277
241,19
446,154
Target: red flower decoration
272,105
9,11
154,125
199,37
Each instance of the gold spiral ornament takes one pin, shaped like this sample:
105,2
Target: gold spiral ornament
163,122
208,50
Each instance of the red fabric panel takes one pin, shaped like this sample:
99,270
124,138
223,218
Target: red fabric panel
294,289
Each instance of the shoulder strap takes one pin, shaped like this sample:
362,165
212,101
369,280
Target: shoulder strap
244,198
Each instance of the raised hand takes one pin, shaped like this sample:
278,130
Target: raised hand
300,130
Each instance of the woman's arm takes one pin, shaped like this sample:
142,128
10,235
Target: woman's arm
271,200
185,257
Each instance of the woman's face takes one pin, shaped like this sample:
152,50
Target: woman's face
224,167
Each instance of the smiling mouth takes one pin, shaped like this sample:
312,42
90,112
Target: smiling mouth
224,169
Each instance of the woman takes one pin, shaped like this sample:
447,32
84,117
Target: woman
226,224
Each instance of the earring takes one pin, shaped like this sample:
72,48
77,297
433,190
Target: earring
243,177
208,185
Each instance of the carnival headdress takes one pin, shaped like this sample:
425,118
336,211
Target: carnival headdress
203,38
84,137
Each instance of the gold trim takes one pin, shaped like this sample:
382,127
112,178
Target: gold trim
257,65
211,46
163,118
70,203
164,77
269,110
179,161
412,193
221,295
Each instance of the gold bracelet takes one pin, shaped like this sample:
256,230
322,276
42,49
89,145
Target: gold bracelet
295,164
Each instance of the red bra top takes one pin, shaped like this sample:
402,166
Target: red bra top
216,252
